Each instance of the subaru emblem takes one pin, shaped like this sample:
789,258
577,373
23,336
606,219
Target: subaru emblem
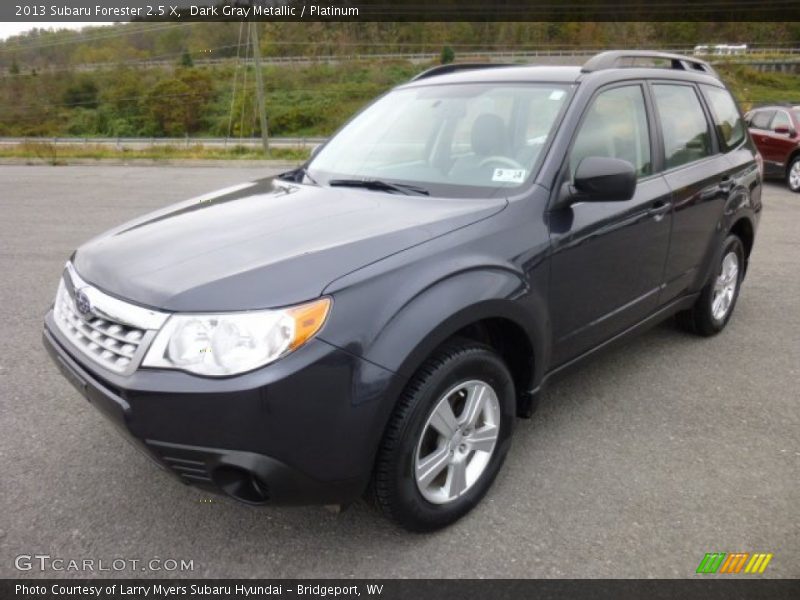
82,303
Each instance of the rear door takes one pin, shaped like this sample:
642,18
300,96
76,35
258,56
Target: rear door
759,125
698,174
608,257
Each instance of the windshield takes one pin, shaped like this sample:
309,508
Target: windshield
453,140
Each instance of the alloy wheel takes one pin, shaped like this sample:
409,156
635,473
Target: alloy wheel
725,286
457,441
794,176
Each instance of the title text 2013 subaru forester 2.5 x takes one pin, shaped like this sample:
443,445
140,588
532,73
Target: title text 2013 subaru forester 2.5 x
373,322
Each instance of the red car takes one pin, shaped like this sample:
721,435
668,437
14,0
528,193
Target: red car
776,133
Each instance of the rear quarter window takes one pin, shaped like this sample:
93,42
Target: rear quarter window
727,119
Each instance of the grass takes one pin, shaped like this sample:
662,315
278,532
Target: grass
58,153
752,87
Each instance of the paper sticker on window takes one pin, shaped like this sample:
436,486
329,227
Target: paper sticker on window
509,175
556,94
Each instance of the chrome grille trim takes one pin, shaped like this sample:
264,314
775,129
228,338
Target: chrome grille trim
112,309
114,334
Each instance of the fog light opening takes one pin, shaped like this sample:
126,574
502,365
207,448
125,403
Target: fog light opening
241,485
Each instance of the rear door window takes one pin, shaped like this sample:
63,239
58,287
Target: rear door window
727,119
781,120
684,128
761,119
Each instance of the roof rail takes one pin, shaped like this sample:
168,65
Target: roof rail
454,67
627,58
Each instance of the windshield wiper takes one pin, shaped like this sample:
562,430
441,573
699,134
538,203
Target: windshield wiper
380,185
297,175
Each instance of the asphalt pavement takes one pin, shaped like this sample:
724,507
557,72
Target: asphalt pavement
636,465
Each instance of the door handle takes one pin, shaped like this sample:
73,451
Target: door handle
660,208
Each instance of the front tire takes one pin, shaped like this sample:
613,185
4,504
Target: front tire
793,175
713,309
447,439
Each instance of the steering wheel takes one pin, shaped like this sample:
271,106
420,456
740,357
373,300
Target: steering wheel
503,160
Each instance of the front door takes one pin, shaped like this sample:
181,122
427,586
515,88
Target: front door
608,258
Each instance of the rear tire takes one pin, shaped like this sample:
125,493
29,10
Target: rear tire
447,439
713,309
793,175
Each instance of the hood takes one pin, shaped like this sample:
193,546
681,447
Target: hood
264,244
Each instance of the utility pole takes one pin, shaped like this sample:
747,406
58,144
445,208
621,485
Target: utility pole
262,109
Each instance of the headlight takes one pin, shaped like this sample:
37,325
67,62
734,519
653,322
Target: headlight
231,343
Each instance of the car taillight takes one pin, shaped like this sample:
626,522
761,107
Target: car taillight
760,164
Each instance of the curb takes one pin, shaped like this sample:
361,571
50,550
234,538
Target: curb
147,162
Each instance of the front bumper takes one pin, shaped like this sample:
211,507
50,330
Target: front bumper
303,430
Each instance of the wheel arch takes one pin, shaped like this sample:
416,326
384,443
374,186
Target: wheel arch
501,313
795,155
743,228
792,156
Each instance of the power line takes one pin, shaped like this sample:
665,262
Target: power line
78,39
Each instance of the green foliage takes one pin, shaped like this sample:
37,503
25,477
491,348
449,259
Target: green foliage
177,105
752,87
166,108
186,59
83,93
310,100
184,96
127,42
448,55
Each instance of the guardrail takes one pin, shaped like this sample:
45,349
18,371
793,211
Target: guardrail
186,142
422,57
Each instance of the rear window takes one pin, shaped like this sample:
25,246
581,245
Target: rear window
727,119
761,119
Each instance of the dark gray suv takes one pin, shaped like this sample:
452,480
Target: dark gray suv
373,322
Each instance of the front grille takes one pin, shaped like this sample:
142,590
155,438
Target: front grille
114,343
111,344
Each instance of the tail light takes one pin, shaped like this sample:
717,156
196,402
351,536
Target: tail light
760,164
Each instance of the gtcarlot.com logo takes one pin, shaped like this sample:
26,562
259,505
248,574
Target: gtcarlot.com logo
733,563
46,562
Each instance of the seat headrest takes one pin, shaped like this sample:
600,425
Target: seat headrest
488,135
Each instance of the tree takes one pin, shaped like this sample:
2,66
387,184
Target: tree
167,108
448,55
83,93
186,59
14,68
177,106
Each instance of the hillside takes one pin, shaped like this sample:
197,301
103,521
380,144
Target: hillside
47,87
135,42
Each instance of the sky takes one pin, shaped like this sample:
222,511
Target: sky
9,29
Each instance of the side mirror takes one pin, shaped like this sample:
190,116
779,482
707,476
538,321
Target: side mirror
601,179
781,130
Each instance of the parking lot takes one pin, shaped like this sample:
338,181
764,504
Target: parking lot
634,466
